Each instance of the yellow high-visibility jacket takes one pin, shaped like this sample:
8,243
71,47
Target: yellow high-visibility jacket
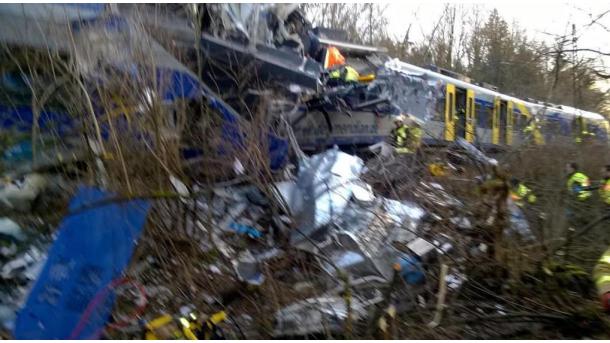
576,184
601,273
522,192
406,139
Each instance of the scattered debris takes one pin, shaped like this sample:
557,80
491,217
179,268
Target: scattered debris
320,243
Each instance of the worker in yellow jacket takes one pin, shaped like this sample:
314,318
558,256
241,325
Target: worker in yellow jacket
601,277
406,135
520,193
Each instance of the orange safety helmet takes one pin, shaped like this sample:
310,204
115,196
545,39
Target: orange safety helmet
333,58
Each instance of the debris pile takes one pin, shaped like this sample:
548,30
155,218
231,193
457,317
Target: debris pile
123,222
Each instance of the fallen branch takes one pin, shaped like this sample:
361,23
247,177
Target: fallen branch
442,293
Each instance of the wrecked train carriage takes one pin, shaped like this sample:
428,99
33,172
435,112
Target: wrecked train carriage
240,50
449,106
88,37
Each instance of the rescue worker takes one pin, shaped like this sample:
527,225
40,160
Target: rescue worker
578,183
338,71
345,74
601,277
406,140
406,135
399,134
520,193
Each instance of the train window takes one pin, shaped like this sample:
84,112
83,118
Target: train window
552,126
439,110
520,122
483,115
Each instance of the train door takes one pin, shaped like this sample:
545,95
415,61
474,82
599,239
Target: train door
450,112
502,122
461,104
470,116
509,122
502,129
495,122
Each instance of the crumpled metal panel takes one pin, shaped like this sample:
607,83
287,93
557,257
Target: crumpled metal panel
315,315
400,211
360,240
407,92
326,182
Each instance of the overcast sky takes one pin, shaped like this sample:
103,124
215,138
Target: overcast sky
537,17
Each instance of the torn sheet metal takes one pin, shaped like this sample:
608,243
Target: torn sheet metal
407,92
316,315
255,23
326,182
361,239
401,211
291,195
276,65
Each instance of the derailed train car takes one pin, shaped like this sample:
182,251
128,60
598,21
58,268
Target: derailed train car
448,106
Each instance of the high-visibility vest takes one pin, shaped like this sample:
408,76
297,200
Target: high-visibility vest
347,74
604,191
400,136
407,139
333,58
576,183
415,133
522,192
601,274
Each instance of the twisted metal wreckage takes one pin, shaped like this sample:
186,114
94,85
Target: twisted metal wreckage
50,289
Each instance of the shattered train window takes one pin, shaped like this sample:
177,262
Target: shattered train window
483,115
